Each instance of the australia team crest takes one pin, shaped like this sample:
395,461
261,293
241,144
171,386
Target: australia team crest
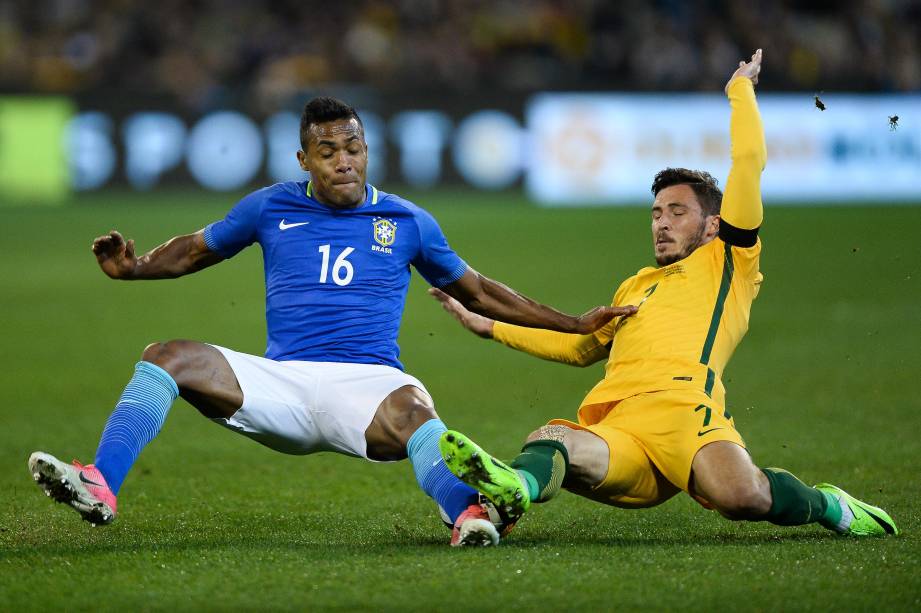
385,232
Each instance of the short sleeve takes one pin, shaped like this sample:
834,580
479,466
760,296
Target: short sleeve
747,262
237,230
435,260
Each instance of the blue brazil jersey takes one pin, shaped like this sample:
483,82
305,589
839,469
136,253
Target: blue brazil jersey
335,279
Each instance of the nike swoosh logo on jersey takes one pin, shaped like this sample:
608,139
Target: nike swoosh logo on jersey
284,226
89,481
702,432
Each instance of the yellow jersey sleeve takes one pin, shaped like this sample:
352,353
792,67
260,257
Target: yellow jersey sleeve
742,211
574,349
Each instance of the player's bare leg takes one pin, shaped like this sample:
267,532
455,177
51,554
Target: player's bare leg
397,418
197,372
724,475
587,452
202,373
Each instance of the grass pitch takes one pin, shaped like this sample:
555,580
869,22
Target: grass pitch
824,385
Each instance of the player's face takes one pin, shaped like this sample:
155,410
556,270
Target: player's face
679,225
337,160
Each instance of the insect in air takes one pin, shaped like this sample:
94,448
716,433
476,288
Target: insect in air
818,103
893,122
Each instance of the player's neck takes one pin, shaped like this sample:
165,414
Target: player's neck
317,195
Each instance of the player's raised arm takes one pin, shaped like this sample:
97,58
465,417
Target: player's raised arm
496,301
742,213
177,257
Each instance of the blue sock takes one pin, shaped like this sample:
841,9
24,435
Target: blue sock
136,420
451,494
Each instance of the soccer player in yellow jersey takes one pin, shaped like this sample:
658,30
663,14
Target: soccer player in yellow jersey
657,423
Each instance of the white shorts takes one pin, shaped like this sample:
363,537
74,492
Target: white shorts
306,407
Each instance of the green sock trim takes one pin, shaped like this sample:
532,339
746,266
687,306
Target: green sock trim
546,462
832,515
793,503
530,481
541,443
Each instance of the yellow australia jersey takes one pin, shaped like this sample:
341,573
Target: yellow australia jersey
691,316
692,313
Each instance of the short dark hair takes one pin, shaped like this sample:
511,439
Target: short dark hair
321,110
704,185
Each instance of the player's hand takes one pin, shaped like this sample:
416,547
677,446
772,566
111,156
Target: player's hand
479,325
115,256
598,317
749,69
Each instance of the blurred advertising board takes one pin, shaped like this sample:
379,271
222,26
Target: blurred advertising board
33,167
566,149
598,149
231,150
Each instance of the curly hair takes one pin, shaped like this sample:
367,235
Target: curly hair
704,185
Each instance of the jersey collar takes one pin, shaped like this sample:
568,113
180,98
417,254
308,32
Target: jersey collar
371,194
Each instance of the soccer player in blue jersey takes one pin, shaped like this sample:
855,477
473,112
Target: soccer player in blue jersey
337,253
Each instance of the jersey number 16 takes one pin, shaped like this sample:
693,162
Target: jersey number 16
342,268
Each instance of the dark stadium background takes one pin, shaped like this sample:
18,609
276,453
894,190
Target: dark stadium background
824,384
189,59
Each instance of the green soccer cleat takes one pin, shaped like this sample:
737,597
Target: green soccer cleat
867,520
493,478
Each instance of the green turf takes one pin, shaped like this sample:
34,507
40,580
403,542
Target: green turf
824,385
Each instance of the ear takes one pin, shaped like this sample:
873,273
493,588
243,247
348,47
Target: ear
713,226
302,160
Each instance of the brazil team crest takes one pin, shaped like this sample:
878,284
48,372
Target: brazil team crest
385,232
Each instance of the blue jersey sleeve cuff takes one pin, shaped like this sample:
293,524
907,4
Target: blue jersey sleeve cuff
456,274
210,242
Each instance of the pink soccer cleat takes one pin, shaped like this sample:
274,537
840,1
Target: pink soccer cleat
474,528
471,527
82,487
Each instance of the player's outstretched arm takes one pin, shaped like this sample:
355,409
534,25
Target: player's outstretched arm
478,324
492,299
177,257
742,212
573,349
